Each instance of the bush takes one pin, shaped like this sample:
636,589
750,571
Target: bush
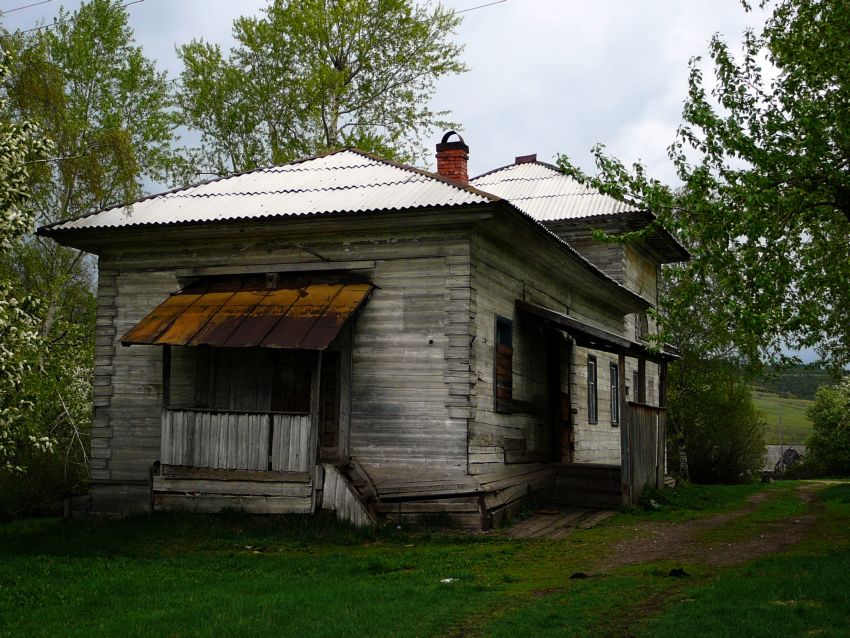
828,448
711,407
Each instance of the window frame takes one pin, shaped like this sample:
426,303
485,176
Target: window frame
615,394
592,390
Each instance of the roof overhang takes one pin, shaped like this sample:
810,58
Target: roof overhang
254,311
595,338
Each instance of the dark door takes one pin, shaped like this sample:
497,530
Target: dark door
329,408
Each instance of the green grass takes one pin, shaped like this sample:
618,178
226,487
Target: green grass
803,593
796,426
233,575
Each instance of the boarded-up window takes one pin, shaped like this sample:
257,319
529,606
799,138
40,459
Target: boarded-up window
503,364
253,379
592,402
615,393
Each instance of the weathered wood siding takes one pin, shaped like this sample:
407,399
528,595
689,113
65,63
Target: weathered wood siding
339,496
503,274
408,400
637,270
236,441
647,436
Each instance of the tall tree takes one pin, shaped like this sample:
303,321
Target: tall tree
20,146
764,157
312,75
88,86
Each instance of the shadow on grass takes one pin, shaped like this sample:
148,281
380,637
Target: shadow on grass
172,533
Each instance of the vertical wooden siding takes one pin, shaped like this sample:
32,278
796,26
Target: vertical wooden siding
646,432
236,441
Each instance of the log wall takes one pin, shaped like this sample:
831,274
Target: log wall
503,274
408,391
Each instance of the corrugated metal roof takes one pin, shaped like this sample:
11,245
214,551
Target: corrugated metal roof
235,312
345,181
546,194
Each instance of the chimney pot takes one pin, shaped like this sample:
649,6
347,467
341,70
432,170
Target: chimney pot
452,158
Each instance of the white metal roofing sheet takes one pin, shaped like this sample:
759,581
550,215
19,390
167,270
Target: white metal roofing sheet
345,181
547,194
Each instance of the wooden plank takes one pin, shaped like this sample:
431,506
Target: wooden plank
182,472
249,488
177,436
263,443
313,266
165,443
248,504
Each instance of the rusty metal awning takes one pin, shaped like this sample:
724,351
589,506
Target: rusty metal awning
236,312
595,338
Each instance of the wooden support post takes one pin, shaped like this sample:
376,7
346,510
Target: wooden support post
625,426
345,372
315,403
165,431
662,385
641,389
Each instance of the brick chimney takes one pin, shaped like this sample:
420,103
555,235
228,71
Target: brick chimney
452,158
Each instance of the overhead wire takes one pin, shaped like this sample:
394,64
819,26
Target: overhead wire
71,19
26,6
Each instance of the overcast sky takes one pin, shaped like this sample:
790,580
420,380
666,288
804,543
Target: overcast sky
547,76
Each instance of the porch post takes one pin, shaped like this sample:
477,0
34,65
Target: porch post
315,403
625,425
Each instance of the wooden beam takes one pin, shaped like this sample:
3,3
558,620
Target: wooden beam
315,402
625,430
310,266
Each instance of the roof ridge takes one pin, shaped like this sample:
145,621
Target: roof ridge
298,190
552,167
435,176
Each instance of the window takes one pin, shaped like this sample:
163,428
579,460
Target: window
591,389
503,365
615,393
650,397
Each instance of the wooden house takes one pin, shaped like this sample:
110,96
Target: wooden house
348,333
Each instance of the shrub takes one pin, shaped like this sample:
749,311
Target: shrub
711,407
828,448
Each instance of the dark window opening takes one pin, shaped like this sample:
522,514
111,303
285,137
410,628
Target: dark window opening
592,402
252,379
503,364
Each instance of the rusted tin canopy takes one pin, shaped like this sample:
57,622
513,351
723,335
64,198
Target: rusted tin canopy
234,312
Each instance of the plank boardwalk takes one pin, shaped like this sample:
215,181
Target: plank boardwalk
557,522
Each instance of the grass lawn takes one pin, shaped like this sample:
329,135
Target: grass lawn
796,426
232,575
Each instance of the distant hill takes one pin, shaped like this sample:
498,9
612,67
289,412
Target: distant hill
800,381
787,411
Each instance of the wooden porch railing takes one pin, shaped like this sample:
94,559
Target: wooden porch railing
236,440
645,431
